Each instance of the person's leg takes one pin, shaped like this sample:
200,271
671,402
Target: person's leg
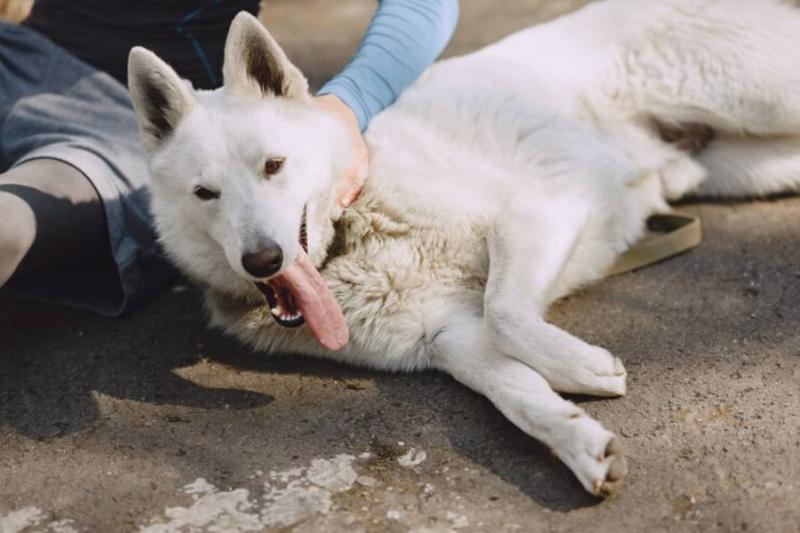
51,220
17,232
58,243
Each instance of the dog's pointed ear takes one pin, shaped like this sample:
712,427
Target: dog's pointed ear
256,64
161,99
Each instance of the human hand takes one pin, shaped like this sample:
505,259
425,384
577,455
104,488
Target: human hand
349,185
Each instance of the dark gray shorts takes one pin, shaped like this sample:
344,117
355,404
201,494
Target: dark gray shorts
52,105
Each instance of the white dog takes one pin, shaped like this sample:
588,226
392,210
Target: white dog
499,182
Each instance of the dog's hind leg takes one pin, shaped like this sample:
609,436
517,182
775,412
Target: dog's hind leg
524,267
727,64
740,167
463,349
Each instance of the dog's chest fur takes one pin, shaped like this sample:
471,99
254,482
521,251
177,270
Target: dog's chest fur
385,259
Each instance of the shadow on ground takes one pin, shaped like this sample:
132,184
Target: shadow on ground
54,360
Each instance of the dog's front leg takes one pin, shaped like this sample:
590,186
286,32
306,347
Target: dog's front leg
463,349
529,247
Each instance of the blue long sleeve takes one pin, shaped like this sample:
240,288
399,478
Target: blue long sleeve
403,39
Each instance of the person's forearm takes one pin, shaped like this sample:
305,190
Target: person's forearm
403,39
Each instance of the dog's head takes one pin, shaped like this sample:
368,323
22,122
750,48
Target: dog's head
238,172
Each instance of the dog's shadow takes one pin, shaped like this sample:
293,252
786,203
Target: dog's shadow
473,427
53,361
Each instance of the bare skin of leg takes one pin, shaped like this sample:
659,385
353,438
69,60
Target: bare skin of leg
51,219
690,137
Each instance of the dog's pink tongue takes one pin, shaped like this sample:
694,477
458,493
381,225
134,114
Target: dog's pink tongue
322,314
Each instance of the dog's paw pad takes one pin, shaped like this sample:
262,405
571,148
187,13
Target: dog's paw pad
594,454
617,469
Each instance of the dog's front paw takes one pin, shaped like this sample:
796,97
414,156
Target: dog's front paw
610,380
616,468
593,371
595,455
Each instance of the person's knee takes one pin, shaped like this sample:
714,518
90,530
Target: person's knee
51,219
17,233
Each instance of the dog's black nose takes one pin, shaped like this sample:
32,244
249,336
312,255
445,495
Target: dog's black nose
265,262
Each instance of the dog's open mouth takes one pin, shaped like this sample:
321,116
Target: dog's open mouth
281,301
282,304
299,295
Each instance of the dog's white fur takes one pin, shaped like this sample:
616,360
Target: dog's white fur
499,182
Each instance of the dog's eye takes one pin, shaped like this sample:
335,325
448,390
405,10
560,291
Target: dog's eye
205,194
273,165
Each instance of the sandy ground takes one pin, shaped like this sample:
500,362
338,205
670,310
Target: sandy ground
154,422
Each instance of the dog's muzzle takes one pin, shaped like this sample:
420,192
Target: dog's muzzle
282,303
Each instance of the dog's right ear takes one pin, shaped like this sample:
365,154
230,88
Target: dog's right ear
161,99
256,65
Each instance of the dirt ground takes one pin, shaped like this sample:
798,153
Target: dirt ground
153,422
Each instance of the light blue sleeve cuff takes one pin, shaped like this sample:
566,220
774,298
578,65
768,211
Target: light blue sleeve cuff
403,39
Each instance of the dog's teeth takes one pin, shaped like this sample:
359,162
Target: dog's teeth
291,318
